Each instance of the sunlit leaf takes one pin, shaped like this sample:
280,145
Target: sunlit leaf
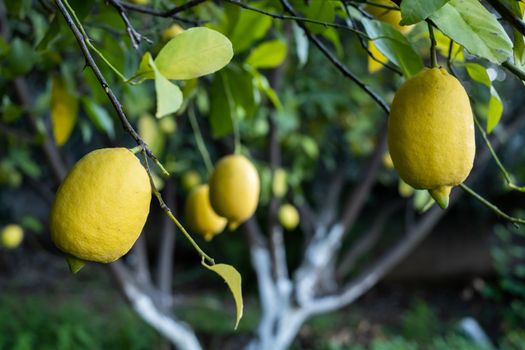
322,11
394,46
233,279
64,110
414,11
246,28
193,53
470,24
301,44
169,95
269,54
478,73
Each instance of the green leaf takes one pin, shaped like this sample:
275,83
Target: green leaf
263,85
169,96
414,11
233,279
98,116
245,93
322,11
221,106
246,28
391,43
475,28
269,54
495,110
193,53
478,73
21,57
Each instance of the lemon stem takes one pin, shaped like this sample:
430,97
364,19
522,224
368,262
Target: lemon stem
516,221
168,212
89,44
433,55
200,140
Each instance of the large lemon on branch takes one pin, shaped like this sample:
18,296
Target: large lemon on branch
431,133
101,206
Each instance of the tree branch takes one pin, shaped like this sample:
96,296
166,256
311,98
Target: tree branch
177,332
171,13
336,62
166,247
366,242
357,198
134,36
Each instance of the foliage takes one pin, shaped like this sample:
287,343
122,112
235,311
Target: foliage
35,323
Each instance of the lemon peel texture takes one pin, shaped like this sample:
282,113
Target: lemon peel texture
101,206
431,133
200,215
234,189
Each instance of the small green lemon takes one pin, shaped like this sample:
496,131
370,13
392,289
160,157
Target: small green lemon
234,189
12,235
288,216
101,206
390,16
431,133
200,215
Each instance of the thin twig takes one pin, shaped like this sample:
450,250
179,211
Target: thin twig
336,62
502,169
200,140
491,206
172,13
297,18
134,36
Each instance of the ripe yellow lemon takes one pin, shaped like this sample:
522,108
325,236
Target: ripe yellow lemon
279,184
390,16
377,60
431,133
288,216
101,206
234,189
12,235
200,215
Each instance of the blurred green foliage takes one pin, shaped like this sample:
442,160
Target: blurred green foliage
35,322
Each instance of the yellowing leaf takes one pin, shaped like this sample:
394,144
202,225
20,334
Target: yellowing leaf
373,64
233,280
169,96
64,110
193,53
269,54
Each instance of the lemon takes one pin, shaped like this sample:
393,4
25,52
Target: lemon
140,2
392,17
387,161
12,235
101,206
234,189
288,216
190,180
200,215
171,32
431,133
279,184
375,63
